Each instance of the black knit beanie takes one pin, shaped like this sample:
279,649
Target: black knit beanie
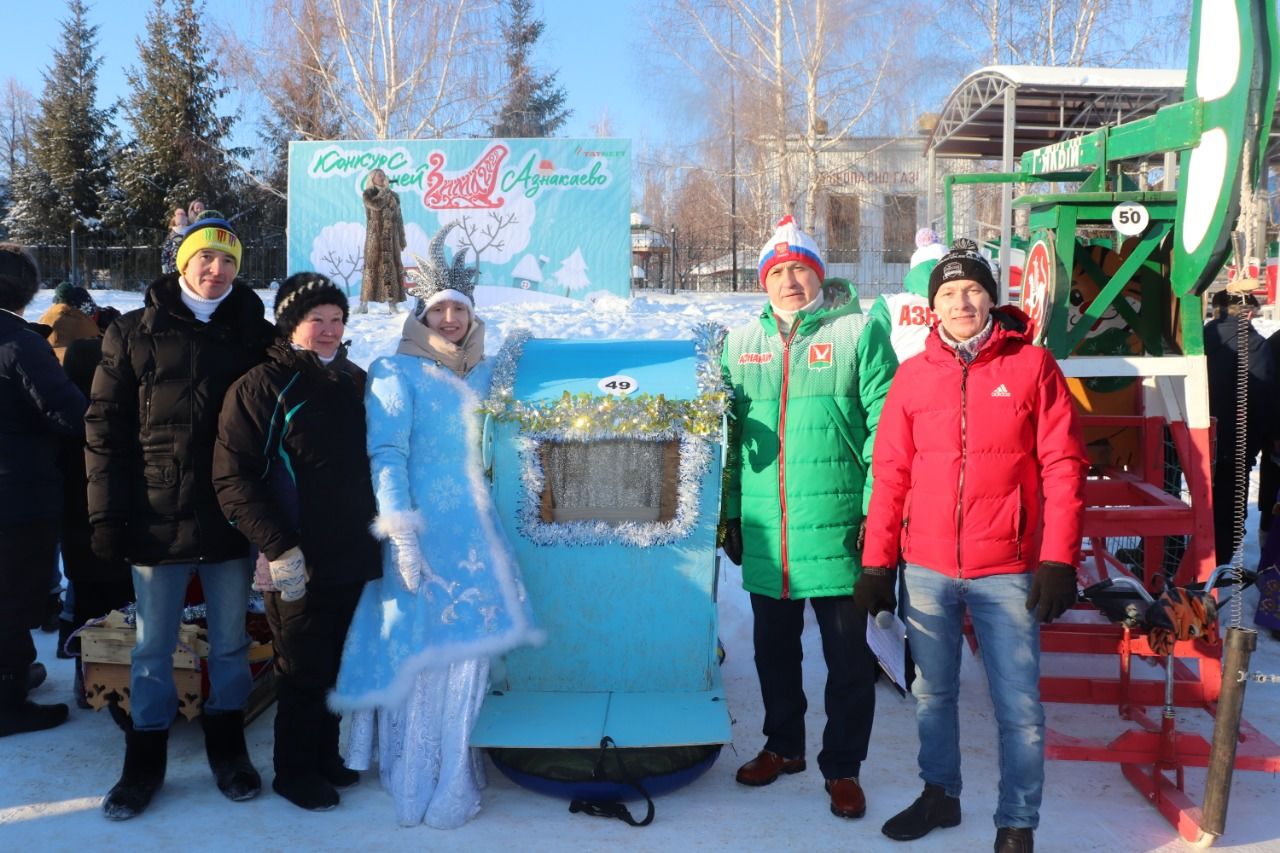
300,293
963,261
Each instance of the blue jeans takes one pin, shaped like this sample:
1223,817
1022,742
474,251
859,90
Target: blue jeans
1009,639
153,699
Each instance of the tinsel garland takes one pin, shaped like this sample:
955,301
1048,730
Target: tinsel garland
695,456
584,416
643,417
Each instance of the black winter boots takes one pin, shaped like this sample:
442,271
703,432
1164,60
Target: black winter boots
332,767
303,755
36,675
1010,839
931,810
229,757
145,755
17,713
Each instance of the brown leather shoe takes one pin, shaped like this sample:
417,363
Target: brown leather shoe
766,767
847,799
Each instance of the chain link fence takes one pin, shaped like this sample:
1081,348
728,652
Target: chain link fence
131,260
710,268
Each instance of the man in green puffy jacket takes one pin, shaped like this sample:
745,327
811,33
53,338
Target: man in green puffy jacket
808,378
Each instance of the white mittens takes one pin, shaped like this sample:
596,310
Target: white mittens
289,574
408,559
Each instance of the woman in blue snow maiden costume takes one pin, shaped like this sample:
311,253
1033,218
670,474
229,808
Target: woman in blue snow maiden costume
415,668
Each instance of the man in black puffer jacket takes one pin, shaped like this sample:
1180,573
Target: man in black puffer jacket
38,405
150,429
292,473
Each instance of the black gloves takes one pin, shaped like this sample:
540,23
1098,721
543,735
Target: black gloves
1053,590
875,590
732,543
109,541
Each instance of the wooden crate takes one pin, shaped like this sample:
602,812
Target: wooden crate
113,642
106,654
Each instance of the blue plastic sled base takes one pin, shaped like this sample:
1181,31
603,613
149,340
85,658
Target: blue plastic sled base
607,791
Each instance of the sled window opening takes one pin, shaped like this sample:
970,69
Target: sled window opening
613,480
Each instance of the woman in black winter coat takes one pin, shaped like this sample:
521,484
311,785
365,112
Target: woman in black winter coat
291,474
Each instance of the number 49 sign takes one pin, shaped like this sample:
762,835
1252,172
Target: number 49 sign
619,385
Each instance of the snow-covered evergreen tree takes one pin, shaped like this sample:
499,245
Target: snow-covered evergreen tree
534,106
178,151
66,176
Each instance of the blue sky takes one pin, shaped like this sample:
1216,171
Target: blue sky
591,44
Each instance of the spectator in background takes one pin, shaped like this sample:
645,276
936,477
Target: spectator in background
1269,472
151,427
907,316
38,405
169,251
195,209
95,586
71,316
1221,349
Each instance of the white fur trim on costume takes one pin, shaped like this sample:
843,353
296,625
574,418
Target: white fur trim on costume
390,524
448,295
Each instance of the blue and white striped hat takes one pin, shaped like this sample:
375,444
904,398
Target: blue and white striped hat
789,243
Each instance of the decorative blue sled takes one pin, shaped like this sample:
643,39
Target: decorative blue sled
604,461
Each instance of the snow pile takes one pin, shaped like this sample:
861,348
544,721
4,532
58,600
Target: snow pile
54,780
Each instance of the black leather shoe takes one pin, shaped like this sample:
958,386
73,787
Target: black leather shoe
931,810
1015,839
767,767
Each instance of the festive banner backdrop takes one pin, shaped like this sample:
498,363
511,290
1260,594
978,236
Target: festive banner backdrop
551,215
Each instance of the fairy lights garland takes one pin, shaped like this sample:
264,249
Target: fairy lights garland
641,417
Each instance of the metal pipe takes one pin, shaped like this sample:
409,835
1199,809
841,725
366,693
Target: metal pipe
1240,643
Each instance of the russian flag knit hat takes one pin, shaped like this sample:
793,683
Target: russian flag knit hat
789,243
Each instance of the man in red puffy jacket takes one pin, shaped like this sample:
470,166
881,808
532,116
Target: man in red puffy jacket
980,472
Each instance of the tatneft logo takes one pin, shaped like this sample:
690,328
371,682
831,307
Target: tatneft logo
586,152
1001,391
820,355
755,358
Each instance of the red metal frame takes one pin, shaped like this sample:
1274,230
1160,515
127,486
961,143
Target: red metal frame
1125,503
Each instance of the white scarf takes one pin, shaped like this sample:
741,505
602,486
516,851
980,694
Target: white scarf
783,318
201,307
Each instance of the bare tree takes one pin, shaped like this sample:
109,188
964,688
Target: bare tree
17,106
480,236
406,68
805,74
1063,32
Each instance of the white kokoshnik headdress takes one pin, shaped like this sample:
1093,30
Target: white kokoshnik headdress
435,280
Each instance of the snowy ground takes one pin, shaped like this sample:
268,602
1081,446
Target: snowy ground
53,781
